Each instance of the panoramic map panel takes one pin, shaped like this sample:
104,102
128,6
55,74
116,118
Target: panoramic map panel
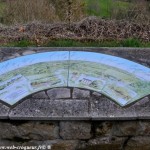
28,74
121,80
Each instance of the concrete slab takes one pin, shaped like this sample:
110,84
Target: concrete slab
103,108
33,109
4,111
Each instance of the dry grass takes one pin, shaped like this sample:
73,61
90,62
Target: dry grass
52,11
139,12
22,11
46,11
69,10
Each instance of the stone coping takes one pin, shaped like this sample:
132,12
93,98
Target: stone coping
75,103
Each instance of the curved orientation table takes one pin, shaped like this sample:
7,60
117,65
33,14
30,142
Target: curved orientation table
121,80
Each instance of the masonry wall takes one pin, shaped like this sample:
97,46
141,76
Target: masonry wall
70,118
76,120
77,135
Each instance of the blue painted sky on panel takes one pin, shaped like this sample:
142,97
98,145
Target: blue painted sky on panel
138,70
32,59
123,64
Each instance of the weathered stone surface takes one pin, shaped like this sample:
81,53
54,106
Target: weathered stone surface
142,108
80,93
96,107
143,101
59,93
127,128
143,128
28,52
29,130
138,143
10,57
4,111
59,109
102,107
76,135
40,95
65,145
103,128
42,144
97,94
8,143
8,131
105,108
8,53
39,130
75,130
105,143
16,55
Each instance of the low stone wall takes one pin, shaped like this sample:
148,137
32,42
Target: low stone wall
77,135
70,118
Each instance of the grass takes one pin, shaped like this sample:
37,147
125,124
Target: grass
22,43
131,43
73,43
103,8
2,7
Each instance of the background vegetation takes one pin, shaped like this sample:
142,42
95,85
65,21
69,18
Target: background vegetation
105,30
50,11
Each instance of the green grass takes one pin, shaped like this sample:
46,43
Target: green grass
131,43
73,43
103,8
22,43
2,7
